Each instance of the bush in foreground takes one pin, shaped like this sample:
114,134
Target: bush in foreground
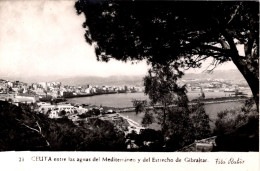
238,130
23,130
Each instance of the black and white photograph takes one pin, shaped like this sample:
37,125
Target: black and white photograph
130,77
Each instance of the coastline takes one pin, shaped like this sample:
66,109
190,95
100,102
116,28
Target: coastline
122,101
205,101
97,94
88,95
136,125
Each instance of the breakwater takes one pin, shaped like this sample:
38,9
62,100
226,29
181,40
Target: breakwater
88,95
124,100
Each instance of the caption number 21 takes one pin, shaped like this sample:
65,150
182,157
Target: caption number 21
21,159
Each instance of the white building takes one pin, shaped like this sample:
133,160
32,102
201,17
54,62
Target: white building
43,84
54,114
10,84
87,90
25,99
58,108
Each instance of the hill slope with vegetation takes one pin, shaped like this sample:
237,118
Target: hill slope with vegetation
22,130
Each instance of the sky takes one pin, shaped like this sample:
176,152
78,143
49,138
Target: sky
45,38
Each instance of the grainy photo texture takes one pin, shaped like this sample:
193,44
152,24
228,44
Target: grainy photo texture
142,76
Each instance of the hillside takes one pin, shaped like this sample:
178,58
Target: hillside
112,80
217,74
138,80
24,130
118,80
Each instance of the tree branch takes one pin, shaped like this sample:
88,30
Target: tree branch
214,63
38,131
208,50
229,38
224,43
249,45
201,59
206,47
31,128
235,13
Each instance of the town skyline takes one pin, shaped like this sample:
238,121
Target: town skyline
236,76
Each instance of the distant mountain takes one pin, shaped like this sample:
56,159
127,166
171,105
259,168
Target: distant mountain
111,80
124,80
138,80
217,74
80,80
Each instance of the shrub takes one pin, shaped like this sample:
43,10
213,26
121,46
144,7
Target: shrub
238,130
22,130
200,122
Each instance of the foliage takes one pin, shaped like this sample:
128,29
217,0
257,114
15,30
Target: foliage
176,32
104,136
230,120
248,106
179,132
139,105
174,36
148,140
161,84
21,129
83,115
16,135
170,106
200,122
62,113
148,118
162,88
93,112
238,130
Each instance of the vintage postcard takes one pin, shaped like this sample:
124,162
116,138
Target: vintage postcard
129,85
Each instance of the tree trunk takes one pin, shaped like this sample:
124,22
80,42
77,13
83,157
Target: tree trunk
253,83
245,66
251,78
